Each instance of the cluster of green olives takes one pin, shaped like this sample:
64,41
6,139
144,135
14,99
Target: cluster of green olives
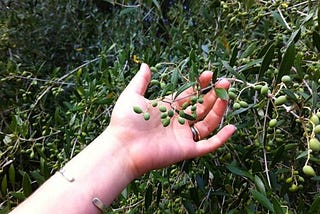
168,113
295,181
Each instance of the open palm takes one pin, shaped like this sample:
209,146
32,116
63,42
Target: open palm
149,144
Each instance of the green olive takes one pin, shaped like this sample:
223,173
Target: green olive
165,122
162,108
146,116
243,104
232,95
257,87
308,170
155,82
286,79
164,115
154,103
314,144
264,90
153,69
185,105
293,188
280,100
181,120
170,113
314,119
158,66
317,129
200,100
236,106
301,179
193,100
232,90
273,123
289,180
193,108
137,109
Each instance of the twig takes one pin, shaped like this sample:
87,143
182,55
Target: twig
41,80
264,149
60,80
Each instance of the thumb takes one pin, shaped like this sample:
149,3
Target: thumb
140,81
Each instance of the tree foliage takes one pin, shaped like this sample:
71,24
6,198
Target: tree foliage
64,63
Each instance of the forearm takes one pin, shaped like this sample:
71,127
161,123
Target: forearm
100,170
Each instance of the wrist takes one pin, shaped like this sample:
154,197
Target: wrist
123,147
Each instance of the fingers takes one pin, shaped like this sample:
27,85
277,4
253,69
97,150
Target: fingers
206,146
204,79
140,81
212,119
210,99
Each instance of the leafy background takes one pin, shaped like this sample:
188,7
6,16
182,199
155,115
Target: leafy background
64,63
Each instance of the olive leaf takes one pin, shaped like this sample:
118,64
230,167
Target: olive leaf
316,40
183,88
287,61
262,199
221,93
267,59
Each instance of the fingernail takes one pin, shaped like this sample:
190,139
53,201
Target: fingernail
235,128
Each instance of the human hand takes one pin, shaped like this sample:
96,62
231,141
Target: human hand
148,144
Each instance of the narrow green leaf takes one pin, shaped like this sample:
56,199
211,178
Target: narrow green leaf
290,94
81,91
200,182
4,185
280,19
159,192
174,78
295,36
262,199
287,61
194,72
148,197
183,88
18,195
38,177
235,170
232,71
264,49
277,206
259,184
250,49
267,59
315,206
234,54
315,95
316,40
26,185
194,195
249,65
167,89
227,66
278,155
189,207
12,175
156,3
127,10
221,93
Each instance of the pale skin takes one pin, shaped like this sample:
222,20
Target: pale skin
130,147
